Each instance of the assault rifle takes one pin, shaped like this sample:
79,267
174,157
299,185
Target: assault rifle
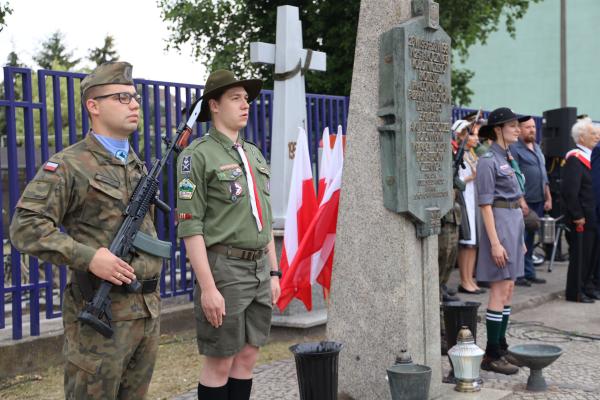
97,313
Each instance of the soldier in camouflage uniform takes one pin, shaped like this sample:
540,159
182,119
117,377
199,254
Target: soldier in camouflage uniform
84,189
225,220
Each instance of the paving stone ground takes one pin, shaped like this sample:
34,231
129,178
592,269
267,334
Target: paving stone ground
574,376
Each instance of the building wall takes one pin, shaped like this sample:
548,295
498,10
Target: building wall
524,73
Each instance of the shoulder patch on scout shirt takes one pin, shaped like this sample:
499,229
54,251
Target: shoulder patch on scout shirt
186,165
504,167
186,189
487,154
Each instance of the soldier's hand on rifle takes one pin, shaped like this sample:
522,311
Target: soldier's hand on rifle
105,265
213,306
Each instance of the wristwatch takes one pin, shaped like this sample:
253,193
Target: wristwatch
275,273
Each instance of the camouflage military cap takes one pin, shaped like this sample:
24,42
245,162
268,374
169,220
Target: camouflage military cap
113,72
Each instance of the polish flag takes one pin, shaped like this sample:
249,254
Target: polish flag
325,161
314,257
302,206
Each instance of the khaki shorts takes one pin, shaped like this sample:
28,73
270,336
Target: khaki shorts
246,287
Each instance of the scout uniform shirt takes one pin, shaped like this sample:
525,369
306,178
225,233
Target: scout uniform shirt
213,198
84,189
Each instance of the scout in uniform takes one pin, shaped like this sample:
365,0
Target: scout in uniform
501,248
84,189
224,214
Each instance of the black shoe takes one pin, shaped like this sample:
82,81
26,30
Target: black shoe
536,280
448,290
448,298
461,289
584,299
522,282
593,294
483,284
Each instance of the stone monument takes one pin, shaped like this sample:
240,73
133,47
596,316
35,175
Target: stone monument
396,187
289,98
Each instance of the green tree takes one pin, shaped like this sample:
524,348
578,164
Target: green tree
54,52
219,32
4,11
100,55
13,60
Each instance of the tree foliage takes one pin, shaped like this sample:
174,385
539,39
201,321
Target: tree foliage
100,55
5,10
54,52
220,32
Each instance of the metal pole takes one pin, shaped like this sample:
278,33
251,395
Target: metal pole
563,53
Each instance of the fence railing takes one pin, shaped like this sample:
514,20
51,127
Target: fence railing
41,113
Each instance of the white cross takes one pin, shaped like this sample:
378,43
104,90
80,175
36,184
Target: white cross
289,99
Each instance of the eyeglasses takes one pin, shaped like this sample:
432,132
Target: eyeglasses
124,97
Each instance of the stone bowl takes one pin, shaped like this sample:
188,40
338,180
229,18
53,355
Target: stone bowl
536,357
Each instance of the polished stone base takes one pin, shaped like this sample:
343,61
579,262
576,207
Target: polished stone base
448,393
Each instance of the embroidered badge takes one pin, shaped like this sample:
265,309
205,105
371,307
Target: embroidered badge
186,165
50,166
183,216
236,190
186,189
236,172
504,166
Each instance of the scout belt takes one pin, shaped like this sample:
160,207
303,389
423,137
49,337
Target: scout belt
243,254
506,204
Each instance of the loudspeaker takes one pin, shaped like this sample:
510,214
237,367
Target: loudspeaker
556,131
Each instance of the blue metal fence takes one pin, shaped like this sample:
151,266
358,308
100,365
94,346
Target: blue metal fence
25,145
28,139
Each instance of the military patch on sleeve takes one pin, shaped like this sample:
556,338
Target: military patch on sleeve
186,165
186,189
50,166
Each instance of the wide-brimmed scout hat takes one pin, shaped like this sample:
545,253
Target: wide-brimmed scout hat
497,117
218,82
109,73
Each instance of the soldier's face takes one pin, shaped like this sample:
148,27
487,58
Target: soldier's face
232,109
112,115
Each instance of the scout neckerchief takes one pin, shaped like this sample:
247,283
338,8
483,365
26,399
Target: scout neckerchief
254,200
581,155
515,166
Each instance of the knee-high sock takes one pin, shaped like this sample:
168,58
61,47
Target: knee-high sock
493,322
505,317
239,389
212,393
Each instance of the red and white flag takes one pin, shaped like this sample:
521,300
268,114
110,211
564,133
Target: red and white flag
314,257
325,161
302,206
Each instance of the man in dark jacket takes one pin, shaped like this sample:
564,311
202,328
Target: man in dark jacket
580,211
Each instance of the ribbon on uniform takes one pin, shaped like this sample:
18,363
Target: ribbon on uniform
254,200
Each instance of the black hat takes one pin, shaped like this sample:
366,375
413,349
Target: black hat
218,82
497,117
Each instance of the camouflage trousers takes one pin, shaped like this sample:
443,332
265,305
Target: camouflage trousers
117,368
447,251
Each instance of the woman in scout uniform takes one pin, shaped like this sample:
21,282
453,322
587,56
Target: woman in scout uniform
225,218
501,248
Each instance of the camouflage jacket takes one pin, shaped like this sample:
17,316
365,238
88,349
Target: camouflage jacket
84,190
